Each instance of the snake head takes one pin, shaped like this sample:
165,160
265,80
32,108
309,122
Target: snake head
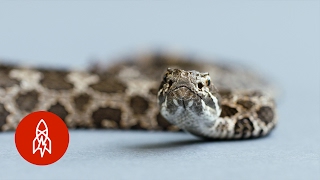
186,96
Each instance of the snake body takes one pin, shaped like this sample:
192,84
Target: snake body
222,102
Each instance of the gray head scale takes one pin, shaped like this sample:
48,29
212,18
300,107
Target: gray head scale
188,99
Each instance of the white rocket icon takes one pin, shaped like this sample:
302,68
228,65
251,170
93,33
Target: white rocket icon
42,141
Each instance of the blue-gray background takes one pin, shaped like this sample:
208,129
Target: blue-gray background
280,38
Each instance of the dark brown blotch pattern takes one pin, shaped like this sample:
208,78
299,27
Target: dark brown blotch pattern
266,114
59,110
225,93
81,101
255,94
153,91
27,101
109,84
3,115
137,126
53,79
106,113
5,80
243,126
139,105
228,111
245,103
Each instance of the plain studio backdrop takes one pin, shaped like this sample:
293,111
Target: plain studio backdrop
279,38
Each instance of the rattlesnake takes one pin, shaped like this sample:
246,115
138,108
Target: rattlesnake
234,103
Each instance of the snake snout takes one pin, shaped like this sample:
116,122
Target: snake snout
183,96
183,93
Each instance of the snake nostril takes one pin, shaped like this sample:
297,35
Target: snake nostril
200,85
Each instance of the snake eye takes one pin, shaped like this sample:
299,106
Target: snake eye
208,82
200,85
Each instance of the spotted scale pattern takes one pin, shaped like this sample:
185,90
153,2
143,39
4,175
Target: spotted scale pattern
124,96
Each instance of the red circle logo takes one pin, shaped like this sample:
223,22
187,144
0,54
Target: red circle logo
42,138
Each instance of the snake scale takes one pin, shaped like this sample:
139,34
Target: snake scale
151,92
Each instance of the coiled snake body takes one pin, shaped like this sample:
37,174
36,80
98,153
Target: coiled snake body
225,103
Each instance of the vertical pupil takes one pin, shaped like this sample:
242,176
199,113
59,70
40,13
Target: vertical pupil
208,82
